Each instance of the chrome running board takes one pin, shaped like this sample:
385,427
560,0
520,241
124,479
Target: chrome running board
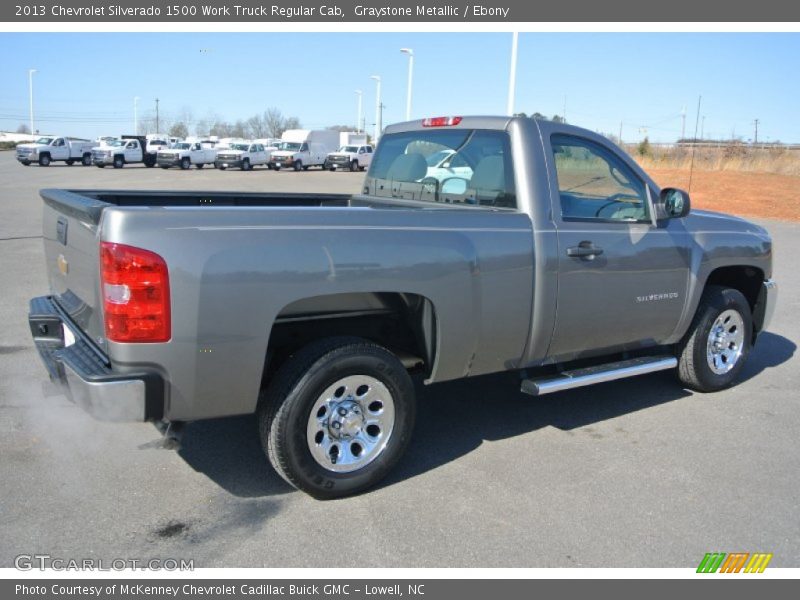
599,374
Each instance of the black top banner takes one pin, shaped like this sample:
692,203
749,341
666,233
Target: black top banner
365,11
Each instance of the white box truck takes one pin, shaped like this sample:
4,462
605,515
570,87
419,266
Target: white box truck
352,138
303,148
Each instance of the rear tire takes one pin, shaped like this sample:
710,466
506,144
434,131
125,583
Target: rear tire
69,162
303,416
200,165
715,348
86,161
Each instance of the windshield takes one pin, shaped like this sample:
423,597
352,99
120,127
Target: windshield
352,149
240,147
116,143
450,166
183,146
291,146
44,140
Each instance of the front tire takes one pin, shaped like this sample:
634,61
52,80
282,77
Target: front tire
354,166
70,162
119,162
44,160
718,342
298,165
246,166
200,165
337,416
185,163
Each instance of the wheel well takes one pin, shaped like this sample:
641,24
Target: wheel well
403,323
746,279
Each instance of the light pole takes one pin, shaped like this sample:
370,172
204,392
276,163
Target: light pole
512,78
30,94
410,53
378,123
359,93
135,115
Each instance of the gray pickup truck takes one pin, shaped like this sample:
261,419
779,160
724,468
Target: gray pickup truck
476,245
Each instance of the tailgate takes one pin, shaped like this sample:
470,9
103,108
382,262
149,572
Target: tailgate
72,254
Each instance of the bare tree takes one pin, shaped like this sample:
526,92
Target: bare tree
291,123
23,128
274,122
257,125
180,130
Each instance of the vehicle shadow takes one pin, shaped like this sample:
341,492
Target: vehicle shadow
228,452
454,419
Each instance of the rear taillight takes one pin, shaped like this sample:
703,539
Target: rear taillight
441,121
135,289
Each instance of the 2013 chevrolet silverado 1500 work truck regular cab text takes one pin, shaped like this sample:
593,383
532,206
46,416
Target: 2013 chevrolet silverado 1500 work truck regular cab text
540,247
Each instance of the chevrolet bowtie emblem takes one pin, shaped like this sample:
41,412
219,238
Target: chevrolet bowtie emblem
63,265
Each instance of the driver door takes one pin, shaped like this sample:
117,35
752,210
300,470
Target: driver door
621,280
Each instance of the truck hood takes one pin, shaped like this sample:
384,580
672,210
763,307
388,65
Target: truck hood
283,154
31,146
706,220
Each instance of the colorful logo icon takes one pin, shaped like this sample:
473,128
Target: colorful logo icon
736,562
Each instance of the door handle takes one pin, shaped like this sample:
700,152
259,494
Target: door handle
584,250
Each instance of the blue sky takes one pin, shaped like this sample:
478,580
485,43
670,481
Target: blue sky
85,82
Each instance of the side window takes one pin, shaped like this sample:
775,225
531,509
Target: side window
596,184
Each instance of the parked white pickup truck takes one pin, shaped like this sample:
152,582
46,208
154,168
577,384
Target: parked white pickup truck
47,149
118,153
350,157
186,154
243,155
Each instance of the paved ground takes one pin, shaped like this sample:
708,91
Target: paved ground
634,473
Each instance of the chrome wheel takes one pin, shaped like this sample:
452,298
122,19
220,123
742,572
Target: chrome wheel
725,342
350,423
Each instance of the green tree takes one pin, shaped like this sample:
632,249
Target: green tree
644,148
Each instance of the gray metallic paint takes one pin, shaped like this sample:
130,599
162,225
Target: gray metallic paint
491,275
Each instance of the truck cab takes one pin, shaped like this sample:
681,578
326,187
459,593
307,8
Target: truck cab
350,157
186,154
49,148
126,150
241,155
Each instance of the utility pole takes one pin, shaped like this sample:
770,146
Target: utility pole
157,127
30,95
683,122
564,113
410,54
378,108
620,133
702,127
755,136
136,115
512,77
359,93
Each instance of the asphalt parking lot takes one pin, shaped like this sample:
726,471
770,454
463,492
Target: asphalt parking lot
636,473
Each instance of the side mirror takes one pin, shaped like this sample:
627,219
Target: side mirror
676,203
